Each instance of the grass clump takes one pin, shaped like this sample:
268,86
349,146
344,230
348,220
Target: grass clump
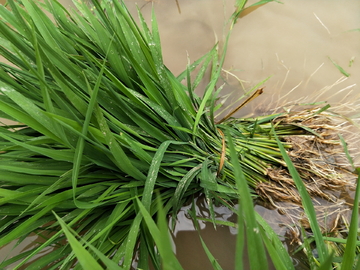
103,125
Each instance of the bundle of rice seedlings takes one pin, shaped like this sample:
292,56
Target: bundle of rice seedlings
101,122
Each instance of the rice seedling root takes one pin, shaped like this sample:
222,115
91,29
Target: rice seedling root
322,164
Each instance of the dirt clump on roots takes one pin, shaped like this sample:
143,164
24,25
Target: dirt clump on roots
322,164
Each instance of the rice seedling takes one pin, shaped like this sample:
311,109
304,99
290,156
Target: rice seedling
103,125
340,68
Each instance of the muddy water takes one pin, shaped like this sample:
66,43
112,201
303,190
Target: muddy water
188,246
292,42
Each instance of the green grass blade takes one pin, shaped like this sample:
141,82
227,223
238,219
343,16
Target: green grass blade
277,244
81,142
61,155
255,247
121,159
339,68
183,74
327,106
26,227
216,75
78,216
153,173
85,258
262,2
357,266
219,222
14,18
275,257
170,260
143,262
346,151
208,182
308,250
32,119
350,249
155,48
207,95
240,240
189,88
203,68
131,241
209,200
306,201
182,187
82,254
161,238
327,264
16,40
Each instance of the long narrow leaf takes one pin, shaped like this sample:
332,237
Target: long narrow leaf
350,250
161,240
84,257
255,246
306,201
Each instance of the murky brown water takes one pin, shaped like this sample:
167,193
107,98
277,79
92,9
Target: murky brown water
287,41
291,42
187,242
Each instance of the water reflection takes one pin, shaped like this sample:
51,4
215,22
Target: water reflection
12,249
220,241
